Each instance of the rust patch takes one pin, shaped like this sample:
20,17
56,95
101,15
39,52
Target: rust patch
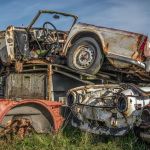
19,127
135,55
106,48
18,66
37,61
49,86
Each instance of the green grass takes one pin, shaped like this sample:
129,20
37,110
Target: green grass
73,139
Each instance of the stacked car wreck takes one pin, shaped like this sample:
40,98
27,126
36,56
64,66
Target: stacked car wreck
102,74
107,109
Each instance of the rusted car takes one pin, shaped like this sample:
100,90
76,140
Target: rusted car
107,109
58,37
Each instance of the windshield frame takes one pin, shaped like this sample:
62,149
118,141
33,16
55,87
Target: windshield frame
51,12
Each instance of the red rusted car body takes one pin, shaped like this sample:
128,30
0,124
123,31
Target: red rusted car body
44,115
52,109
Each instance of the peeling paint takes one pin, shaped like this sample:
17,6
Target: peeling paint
106,109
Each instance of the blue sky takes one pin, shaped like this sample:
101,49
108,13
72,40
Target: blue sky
132,15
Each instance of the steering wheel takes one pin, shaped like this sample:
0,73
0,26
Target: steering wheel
51,35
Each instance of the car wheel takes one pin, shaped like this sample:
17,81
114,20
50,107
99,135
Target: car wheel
85,55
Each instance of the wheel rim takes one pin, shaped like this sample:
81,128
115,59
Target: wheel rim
84,56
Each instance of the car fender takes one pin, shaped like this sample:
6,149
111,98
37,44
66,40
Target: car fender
52,108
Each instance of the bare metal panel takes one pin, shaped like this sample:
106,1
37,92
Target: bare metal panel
35,86
61,84
31,85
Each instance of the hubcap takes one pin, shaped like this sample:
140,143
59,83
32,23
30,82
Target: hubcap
84,56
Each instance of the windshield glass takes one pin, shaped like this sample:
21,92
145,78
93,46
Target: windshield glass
60,21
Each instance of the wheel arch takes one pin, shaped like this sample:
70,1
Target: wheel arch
98,37
38,112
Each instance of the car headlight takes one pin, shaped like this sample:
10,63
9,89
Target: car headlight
71,98
146,115
122,103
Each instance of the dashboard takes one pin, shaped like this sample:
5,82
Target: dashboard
37,43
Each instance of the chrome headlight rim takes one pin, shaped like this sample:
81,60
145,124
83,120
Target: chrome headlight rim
71,98
145,115
122,103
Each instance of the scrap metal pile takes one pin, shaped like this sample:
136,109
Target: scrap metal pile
102,74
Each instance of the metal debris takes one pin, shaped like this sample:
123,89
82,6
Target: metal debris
20,127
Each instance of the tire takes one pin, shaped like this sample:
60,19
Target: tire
85,55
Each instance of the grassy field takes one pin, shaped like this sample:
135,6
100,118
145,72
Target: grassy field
73,139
